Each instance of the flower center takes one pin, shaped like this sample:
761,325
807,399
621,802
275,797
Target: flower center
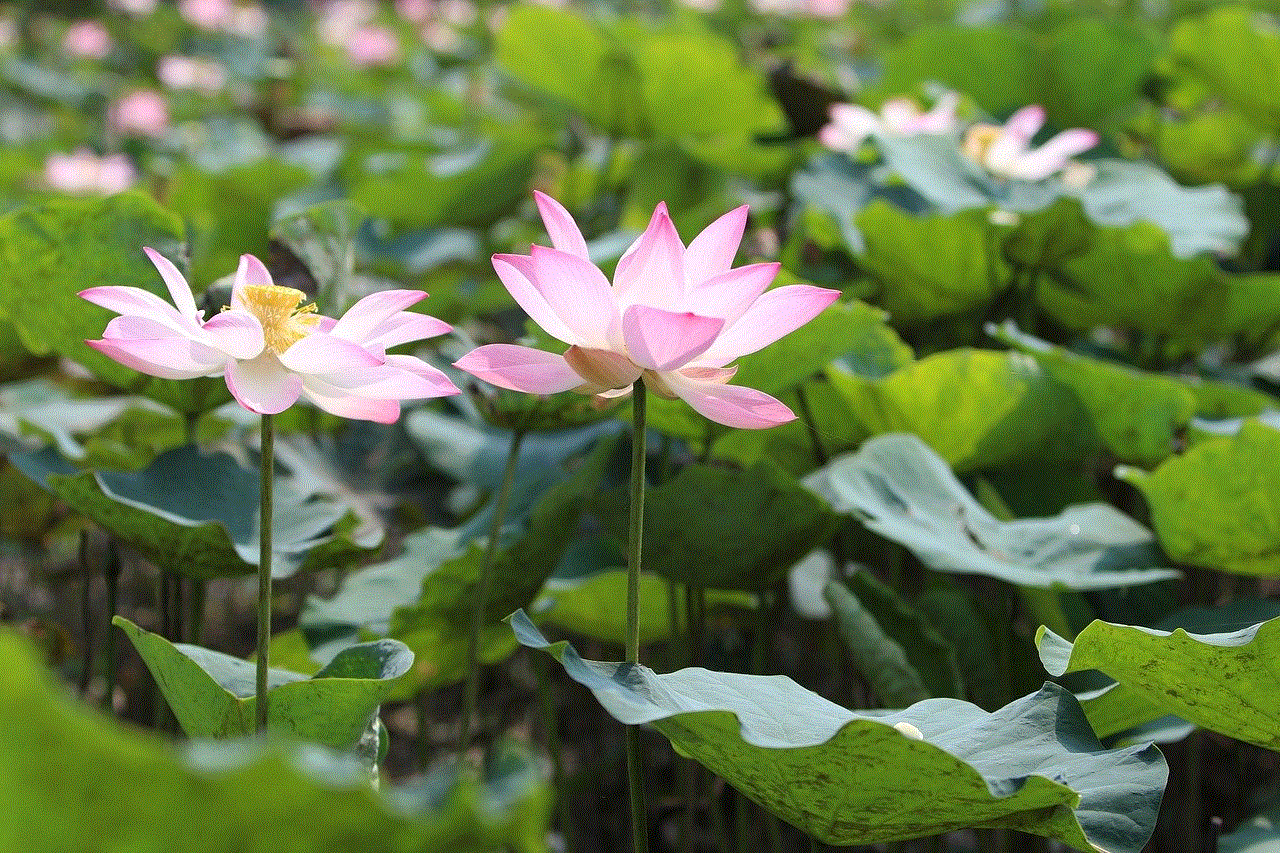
285,320
979,139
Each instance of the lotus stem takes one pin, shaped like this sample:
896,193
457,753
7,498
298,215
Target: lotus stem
471,691
635,535
264,569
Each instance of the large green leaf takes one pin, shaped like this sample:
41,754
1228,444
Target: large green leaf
196,514
1138,416
724,529
213,694
996,65
877,657
1236,51
1218,505
902,490
849,777
1094,68
931,266
53,250
977,408
83,782
1228,682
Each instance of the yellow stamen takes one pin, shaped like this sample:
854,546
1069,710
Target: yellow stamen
979,140
285,320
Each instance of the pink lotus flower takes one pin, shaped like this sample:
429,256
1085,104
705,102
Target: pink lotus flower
139,113
371,46
851,124
1007,153
87,39
187,72
674,316
85,173
271,348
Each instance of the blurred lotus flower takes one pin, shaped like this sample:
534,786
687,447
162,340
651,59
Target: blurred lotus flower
8,33
674,316
1007,153
186,72
85,173
459,13
139,113
414,11
851,124
371,46
271,348
87,39
205,14
814,8
137,8
340,19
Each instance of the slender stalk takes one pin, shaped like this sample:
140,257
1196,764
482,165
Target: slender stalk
86,615
264,568
111,570
472,688
811,426
635,535
552,734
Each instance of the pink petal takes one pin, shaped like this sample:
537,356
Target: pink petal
321,355
174,280
1054,154
136,302
405,378
516,273
602,369
520,369
168,358
776,313
578,294
405,327
352,406
942,118
651,272
561,228
1025,122
262,385
732,405
443,384
712,252
664,340
731,293
250,272
365,317
236,333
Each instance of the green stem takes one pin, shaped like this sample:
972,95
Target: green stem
112,572
553,749
86,615
264,569
635,535
472,689
811,426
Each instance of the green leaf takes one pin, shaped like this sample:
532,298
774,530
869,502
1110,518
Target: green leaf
953,612
1136,415
212,694
1225,682
322,236
977,408
902,490
1034,765
1236,51
61,765
196,514
1218,505
416,187
723,529
553,51
879,659
596,606
931,266
1094,67
932,656
229,212
53,250
997,65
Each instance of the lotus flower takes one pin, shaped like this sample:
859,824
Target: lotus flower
850,123
1007,153
271,348
675,317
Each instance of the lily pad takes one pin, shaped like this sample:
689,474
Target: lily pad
902,490
849,777
196,514
61,766
1228,682
212,694
1218,505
